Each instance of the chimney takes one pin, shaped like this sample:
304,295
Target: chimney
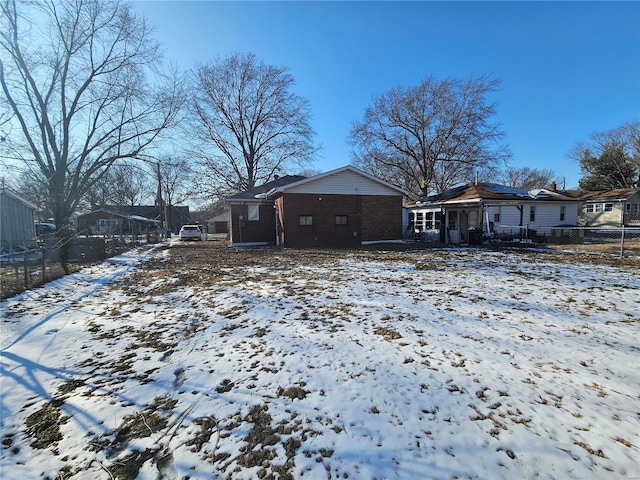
553,186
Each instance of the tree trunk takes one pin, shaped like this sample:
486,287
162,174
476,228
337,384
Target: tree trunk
63,232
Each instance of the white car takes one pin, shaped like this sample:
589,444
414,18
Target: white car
190,232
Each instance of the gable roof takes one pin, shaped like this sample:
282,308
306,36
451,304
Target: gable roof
620,194
347,168
478,192
260,193
13,195
111,213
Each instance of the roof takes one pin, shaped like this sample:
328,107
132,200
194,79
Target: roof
258,194
282,184
144,211
346,168
136,218
478,192
11,194
616,194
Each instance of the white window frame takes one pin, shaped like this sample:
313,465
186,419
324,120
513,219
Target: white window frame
253,213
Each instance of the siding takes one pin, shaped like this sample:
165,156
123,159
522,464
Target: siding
369,218
17,227
603,219
547,216
345,182
632,210
250,231
630,207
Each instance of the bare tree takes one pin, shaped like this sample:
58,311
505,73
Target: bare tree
611,159
176,182
529,178
176,179
249,122
123,184
78,85
428,137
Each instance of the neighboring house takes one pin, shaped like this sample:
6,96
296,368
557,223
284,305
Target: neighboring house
219,223
612,208
466,213
131,219
345,207
17,226
108,223
116,218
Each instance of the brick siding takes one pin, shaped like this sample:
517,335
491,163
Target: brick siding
369,218
262,230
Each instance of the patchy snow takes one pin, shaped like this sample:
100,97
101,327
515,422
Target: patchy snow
436,364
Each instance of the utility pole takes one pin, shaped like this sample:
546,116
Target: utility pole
159,201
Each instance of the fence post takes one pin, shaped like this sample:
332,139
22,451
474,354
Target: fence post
27,274
12,256
44,265
622,243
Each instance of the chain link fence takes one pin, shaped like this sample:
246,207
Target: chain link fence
623,242
620,241
25,268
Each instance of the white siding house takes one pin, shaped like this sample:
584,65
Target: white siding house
611,208
539,215
476,210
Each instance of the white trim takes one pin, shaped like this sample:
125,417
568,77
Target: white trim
250,244
373,242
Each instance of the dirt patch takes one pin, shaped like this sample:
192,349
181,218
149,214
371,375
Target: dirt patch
43,426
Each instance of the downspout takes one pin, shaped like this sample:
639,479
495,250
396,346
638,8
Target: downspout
275,207
486,217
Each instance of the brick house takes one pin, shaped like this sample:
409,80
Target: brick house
345,207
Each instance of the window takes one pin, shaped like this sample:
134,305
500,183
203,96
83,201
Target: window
608,207
532,213
254,213
453,220
306,219
598,207
429,221
342,220
410,219
589,208
496,214
562,212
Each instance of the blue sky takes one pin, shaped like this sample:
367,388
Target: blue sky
568,69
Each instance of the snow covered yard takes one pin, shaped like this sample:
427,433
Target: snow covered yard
203,362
